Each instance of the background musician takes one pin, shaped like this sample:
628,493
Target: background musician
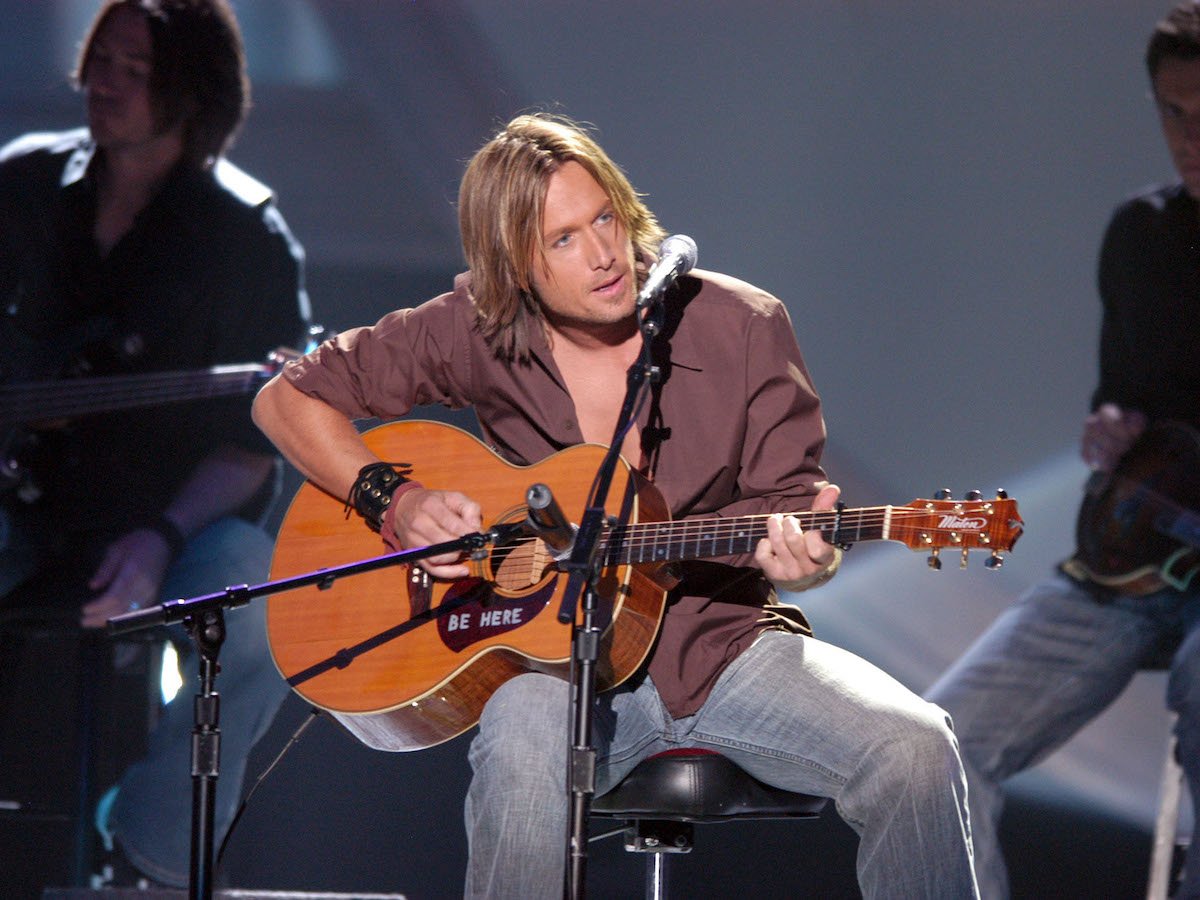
1067,649
130,247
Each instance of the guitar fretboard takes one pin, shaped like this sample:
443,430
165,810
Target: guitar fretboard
707,538
70,397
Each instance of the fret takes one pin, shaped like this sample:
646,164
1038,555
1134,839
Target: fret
663,543
741,539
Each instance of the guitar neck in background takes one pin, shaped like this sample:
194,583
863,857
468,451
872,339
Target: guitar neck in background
67,398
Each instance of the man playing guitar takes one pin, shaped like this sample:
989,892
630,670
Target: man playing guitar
538,338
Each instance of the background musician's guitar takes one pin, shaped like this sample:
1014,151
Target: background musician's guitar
27,406
1138,529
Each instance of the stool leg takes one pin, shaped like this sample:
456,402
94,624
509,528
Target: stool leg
1166,824
656,876
91,671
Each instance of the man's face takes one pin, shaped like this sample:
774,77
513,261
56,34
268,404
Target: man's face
584,275
1177,93
116,82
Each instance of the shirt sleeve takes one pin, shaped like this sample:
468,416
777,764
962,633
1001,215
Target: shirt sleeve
785,428
1117,293
410,357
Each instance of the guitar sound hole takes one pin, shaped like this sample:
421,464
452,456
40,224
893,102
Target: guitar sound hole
519,565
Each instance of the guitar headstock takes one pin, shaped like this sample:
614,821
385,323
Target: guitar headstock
964,525
313,336
277,358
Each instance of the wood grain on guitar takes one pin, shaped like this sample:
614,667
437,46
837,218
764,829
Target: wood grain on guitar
406,663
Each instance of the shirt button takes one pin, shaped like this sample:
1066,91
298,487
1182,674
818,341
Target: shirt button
569,424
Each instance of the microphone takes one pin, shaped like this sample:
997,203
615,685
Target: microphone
676,256
547,521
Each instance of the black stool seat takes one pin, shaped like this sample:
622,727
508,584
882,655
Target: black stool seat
666,793
694,785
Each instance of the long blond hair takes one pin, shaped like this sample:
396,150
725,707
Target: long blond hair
500,219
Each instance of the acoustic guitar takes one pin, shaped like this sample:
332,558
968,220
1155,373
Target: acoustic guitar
406,662
1138,528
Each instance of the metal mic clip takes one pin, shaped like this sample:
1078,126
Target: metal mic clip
546,521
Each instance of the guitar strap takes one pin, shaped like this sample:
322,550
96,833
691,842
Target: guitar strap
1177,572
1077,572
1180,568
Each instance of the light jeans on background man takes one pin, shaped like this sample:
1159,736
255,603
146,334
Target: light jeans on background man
1045,668
152,815
793,711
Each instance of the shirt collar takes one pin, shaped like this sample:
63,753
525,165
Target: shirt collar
78,163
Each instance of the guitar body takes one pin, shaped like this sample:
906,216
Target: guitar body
1138,529
406,662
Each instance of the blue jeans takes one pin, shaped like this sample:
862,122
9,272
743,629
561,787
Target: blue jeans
152,816
1046,667
793,711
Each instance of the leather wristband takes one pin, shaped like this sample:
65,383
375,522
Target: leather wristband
371,494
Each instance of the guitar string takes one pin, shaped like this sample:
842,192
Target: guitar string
642,535
48,400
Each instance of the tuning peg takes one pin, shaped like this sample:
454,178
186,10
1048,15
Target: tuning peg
1001,494
934,561
943,494
994,561
974,495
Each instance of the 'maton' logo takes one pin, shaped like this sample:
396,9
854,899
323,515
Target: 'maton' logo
962,523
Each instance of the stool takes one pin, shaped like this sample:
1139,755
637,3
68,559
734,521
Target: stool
1166,855
667,793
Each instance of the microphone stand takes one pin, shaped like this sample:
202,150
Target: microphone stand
204,619
583,568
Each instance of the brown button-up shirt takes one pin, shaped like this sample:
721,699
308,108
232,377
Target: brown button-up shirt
733,428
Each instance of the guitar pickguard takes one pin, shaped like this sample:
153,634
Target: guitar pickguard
487,614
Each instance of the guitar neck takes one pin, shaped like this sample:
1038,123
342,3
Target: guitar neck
71,397
933,525
706,538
